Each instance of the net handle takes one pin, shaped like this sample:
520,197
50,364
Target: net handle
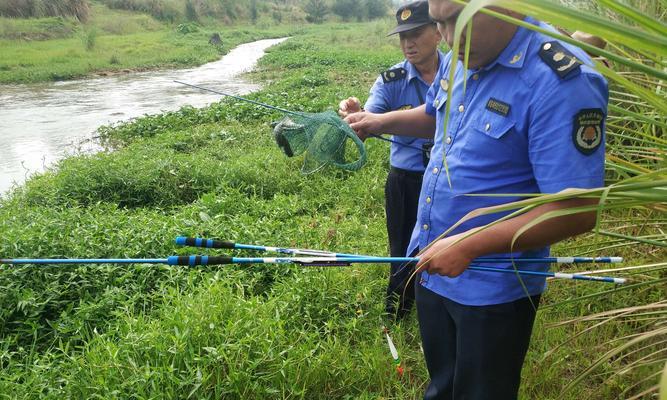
354,165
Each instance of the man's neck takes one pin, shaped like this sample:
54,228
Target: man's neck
428,69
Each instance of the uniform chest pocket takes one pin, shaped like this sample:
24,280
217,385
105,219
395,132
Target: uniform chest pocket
493,125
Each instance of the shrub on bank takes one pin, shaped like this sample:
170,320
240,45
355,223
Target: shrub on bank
45,8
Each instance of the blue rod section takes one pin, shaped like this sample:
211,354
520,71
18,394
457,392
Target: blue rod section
84,261
318,261
558,275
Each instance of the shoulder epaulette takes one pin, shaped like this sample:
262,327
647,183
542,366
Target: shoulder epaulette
395,74
556,56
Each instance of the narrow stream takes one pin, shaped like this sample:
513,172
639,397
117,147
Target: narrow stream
42,123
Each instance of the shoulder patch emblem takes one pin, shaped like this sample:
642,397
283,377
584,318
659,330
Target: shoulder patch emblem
587,132
394,75
556,56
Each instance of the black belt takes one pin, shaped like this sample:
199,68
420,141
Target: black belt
405,172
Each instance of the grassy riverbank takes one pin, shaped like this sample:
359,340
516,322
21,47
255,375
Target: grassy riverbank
247,332
113,41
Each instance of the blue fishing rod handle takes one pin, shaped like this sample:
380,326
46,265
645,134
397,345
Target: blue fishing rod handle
199,260
207,243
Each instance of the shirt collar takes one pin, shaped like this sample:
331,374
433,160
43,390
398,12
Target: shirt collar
515,53
412,70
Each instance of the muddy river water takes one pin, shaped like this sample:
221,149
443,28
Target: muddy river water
42,123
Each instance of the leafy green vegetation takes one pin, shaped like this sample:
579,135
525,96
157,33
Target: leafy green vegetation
259,331
79,9
113,41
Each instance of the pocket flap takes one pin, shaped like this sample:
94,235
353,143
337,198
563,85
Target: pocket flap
494,125
440,100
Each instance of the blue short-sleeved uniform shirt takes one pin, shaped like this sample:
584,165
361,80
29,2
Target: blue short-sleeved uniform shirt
532,121
403,89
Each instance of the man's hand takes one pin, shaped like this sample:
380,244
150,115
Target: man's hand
349,106
365,123
446,258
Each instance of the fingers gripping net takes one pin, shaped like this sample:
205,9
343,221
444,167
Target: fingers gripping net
323,137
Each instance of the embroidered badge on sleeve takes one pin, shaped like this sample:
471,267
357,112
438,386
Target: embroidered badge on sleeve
587,132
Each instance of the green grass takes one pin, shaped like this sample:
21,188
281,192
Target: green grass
242,332
113,41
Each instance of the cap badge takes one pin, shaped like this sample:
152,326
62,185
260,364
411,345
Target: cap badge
406,14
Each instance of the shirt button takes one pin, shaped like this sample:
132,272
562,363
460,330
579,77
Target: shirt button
475,77
425,227
461,108
449,139
487,127
435,103
435,170
428,199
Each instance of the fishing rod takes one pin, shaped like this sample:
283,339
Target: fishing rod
258,103
329,261
223,244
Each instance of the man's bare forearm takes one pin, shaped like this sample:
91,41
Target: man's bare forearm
414,122
498,238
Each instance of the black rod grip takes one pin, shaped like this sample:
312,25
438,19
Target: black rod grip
206,243
199,260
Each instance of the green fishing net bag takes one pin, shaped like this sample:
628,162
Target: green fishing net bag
324,138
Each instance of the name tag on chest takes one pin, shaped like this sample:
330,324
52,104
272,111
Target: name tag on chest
498,107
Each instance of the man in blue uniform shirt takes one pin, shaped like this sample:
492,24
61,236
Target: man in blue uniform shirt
403,87
531,120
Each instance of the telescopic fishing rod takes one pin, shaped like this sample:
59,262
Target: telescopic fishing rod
342,257
319,258
282,110
223,244
329,261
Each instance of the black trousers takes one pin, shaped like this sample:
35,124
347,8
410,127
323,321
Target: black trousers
401,200
474,352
